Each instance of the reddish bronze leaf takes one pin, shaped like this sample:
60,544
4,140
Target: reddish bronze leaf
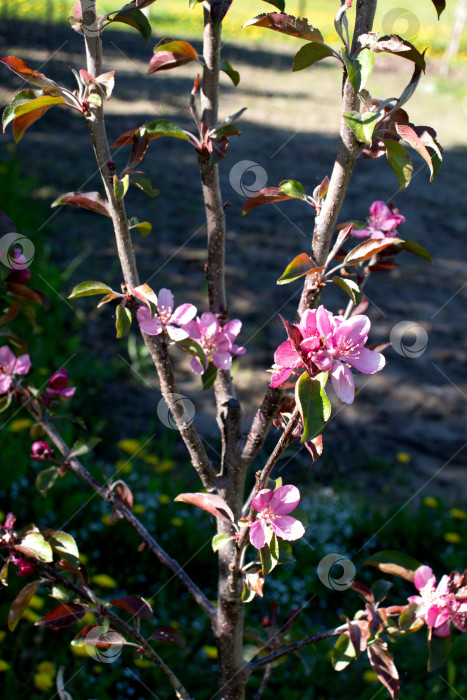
63,616
21,68
20,603
92,201
208,501
287,24
366,250
395,44
267,195
171,55
133,604
383,664
169,634
24,121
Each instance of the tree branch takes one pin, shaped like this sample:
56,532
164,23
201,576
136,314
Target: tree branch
265,660
346,155
51,574
96,125
109,496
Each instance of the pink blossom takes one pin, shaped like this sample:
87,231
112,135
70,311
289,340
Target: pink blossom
331,344
216,342
382,222
10,365
25,567
167,320
273,507
41,450
438,605
58,386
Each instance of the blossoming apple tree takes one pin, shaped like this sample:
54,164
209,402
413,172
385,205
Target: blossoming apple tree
320,348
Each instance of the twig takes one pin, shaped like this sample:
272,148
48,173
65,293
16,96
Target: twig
51,574
265,660
96,125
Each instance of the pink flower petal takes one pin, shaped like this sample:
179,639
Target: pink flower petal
280,377
262,499
23,364
361,233
196,366
324,321
148,324
233,328
68,392
222,360
424,575
7,359
366,361
380,211
193,330
238,350
288,528
209,324
175,333
443,631
258,534
285,355
307,323
165,301
355,329
5,383
184,314
284,499
343,383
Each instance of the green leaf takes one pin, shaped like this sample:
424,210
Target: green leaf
343,653
162,127
209,376
144,184
269,558
95,99
20,603
301,265
359,68
64,545
193,348
416,249
313,404
219,541
399,160
38,103
350,287
292,188
89,289
362,125
136,19
144,228
121,186
60,593
311,53
21,98
123,321
233,74
440,648
380,589
5,401
34,545
46,479
394,563
82,447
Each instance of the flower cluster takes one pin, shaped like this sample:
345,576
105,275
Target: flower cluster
273,507
11,365
440,605
329,344
180,323
382,222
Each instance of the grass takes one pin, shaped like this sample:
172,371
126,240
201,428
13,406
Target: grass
417,21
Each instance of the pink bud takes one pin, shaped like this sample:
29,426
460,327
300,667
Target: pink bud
41,450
